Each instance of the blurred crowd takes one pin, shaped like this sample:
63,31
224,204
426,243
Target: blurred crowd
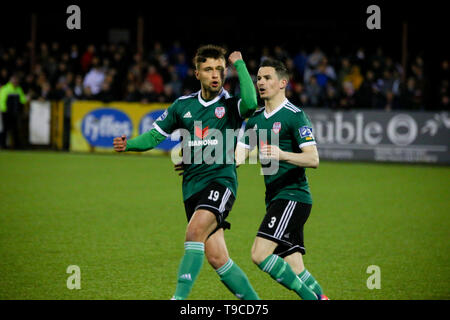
111,72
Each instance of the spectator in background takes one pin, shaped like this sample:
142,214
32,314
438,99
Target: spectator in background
3,76
365,94
12,100
29,86
94,78
190,83
411,95
105,94
86,59
280,54
331,97
155,79
78,87
181,66
315,58
354,77
74,57
168,94
176,50
58,68
360,59
324,73
344,70
174,82
300,62
443,78
444,102
132,93
314,92
390,101
87,94
347,99
148,93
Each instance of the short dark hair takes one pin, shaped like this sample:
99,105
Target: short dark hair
280,68
209,51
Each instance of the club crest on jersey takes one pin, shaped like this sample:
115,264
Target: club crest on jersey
276,127
305,132
220,112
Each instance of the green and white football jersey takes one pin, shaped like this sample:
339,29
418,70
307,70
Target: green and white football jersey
293,129
205,125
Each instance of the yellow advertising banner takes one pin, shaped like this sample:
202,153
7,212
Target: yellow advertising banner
95,124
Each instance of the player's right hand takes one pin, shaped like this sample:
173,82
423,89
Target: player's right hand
120,143
235,56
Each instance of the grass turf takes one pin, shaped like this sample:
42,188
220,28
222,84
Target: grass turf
121,220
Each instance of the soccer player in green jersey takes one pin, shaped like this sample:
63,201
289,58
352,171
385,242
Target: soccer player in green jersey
278,247
209,189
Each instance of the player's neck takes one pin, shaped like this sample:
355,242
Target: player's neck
208,95
274,102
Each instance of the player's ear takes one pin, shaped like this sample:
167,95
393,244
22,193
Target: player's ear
283,83
196,74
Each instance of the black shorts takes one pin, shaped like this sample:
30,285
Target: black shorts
283,224
215,198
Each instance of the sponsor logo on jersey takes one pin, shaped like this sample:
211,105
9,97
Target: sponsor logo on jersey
201,134
306,132
220,112
276,127
197,143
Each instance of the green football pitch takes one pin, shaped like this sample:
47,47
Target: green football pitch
120,219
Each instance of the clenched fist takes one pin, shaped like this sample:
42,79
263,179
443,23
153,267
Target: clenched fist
120,143
235,56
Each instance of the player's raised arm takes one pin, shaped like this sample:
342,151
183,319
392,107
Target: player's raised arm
249,102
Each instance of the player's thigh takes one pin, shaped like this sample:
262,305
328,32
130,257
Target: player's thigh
262,248
216,249
202,223
295,260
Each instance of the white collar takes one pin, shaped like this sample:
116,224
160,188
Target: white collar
222,93
268,115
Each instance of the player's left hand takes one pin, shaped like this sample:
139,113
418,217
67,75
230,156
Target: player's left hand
272,152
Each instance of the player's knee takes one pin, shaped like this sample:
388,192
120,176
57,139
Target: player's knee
216,260
195,233
201,225
258,256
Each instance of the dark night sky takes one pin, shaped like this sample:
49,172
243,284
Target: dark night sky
291,23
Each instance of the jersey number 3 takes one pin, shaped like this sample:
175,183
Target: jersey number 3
272,222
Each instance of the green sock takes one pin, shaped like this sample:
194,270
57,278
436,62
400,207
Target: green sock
236,281
310,281
194,253
282,272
